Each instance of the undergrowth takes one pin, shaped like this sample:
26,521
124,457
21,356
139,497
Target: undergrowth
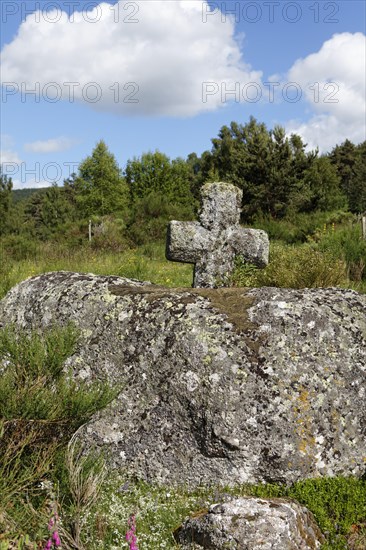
293,267
41,407
45,473
307,250
338,504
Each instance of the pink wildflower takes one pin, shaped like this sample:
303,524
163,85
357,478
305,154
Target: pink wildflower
131,533
56,539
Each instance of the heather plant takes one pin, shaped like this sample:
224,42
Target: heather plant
54,540
33,375
41,407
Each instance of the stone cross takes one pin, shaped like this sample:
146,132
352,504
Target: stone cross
213,243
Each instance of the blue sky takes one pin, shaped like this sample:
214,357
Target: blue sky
162,74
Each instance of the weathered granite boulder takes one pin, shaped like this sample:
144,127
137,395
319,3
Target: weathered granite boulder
249,523
224,385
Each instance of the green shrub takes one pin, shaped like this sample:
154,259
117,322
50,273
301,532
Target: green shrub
40,408
34,376
281,230
150,215
346,243
298,227
293,267
337,504
109,234
19,247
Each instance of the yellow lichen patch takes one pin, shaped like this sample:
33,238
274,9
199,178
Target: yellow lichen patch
303,422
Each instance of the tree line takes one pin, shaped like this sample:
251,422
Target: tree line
279,178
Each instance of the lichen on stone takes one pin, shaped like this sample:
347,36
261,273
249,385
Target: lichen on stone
236,385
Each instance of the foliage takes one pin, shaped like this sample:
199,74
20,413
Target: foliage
293,267
278,177
276,174
150,216
346,242
339,506
6,186
40,409
33,376
322,180
300,227
155,174
20,195
100,188
46,211
108,234
357,192
350,162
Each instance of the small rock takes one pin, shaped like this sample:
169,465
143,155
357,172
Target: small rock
252,523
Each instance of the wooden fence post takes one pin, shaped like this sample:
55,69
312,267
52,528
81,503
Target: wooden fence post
90,234
363,223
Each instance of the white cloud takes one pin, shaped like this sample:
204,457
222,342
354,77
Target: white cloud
50,145
9,157
7,153
167,55
31,184
333,83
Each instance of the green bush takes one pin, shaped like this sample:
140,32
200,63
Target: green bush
347,244
298,227
281,230
40,408
150,215
19,247
109,234
293,267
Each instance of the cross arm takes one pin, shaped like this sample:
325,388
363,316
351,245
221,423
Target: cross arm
251,244
186,241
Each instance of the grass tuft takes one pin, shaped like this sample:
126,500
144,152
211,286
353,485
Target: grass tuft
41,407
